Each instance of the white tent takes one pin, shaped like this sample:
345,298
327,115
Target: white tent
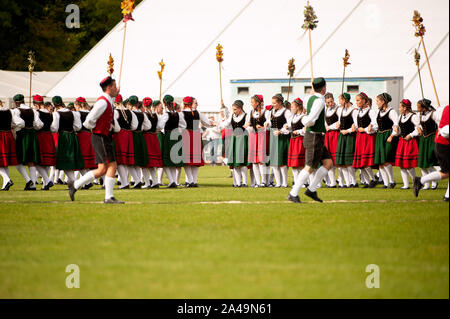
259,37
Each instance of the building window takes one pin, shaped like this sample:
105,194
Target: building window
352,88
286,89
308,89
243,90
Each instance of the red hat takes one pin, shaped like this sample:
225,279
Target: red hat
188,100
365,95
259,97
299,101
118,98
268,107
147,101
38,99
406,102
81,99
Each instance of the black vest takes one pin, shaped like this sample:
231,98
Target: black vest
407,127
239,124
83,116
190,117
364,121
28,116
346,121
297,126
257,121
5,120
154,121
125,124
429,127
47,119
278,122
140,118
384,122
332,119
172,122
65,121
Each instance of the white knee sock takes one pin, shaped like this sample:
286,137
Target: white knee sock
295,172
168,172
405,180
257,174
263,173
43,171
412,173
160,172
61,174
194,171
319,175
109,187
77,174
188,172
146,177
134,174
332,176
33,171
83,180
177,174
369,174
384,176
123,174
390,172
342,181
244,174
301,179
446,193
4,173
434,176
237,176
352,175
70,176
23,171
424,172
277,174
51,176
347,178
153,175
284,176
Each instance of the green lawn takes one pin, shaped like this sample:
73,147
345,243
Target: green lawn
184,244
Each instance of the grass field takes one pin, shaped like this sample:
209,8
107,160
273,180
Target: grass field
188,243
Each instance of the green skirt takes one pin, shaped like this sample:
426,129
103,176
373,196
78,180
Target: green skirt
278,149
140,149
27,147
176,159
68,153
427,158
345,150
160,137
384,151
238,151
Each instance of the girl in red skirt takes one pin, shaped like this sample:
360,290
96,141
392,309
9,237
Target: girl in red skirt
332,134
296,155
407,155
258,140
365,139
152,141
8,122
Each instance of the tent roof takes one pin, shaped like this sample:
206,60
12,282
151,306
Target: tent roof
259,37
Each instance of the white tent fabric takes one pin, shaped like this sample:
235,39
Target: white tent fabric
259,37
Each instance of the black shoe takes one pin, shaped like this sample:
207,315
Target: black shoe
293,199
87,186
445,199
72,191
385,187
8,185
172,185
187,185
154,186
59,182
137,186
29,185
392,185
195,185
125,187
313,195
332,186
365,186
118,183
47,187
244,185
417,185
113,200
372,184
132,183
355,185
103,187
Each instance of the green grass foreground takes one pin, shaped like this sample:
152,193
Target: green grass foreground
184,244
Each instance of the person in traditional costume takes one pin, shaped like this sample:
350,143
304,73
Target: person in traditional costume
9,121
225,134
101,121
314,143
407,155
158,109
279,140
258,140
68,152
173,157
345,150
123,142
386,139
441,150
332,134
237,149
192,140
27,144
296,154
46,146
365,139
429,122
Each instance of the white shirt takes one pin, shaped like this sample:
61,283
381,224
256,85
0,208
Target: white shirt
181,121
227,123
317,107
373,119
425,117
393,116
37,123
346,111
146,124
294,119
330,111
54,127
255,114
414,118
16,121
277,113
97,110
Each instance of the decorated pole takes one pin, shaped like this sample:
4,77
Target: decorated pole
110,65
417,60
420,32
127,7
291,71
219,58
32,63
310,23
160,74
345,58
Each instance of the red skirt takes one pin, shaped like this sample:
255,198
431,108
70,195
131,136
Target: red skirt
153,150
124,146
364,150
407,155
47,148
193,148
7,149
331,139
55,138
296,155
87,151
258,146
